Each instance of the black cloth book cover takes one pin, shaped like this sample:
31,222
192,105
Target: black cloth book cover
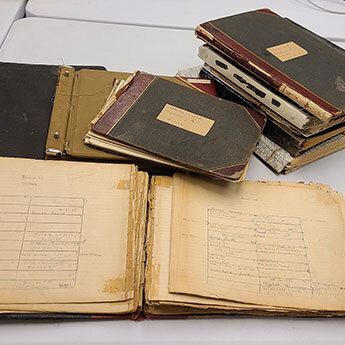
197,131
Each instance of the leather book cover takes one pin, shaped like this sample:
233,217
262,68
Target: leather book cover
192,129
26,101
297,63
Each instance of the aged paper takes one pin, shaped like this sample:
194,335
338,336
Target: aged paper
118,307
274,244
157,263
185,119
63,232
86,308
287,51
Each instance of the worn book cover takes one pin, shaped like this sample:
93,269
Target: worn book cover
284,56
185,128
26,101
79,96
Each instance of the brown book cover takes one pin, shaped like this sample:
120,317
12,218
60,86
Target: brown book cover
285,56
79,96
182,127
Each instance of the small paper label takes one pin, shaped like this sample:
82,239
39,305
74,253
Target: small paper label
287,51
198,81
185,119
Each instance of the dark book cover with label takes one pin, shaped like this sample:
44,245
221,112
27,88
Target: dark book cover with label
299,64
197,131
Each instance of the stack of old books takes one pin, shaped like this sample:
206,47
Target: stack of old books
85,234
294,76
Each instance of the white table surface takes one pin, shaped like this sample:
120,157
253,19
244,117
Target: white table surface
48,41
10,11
234,330
340,44
116,47
187,14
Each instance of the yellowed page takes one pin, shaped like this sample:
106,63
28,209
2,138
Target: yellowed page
158,257
63,231
158,252
275,244
120,307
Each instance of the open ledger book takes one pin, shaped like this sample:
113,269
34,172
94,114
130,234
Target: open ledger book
76,241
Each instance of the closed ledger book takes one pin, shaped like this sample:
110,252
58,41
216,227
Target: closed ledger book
285,56
26,101
79,96
77,240
156,120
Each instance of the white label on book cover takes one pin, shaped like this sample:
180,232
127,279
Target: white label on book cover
198,81
185,119
287,51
